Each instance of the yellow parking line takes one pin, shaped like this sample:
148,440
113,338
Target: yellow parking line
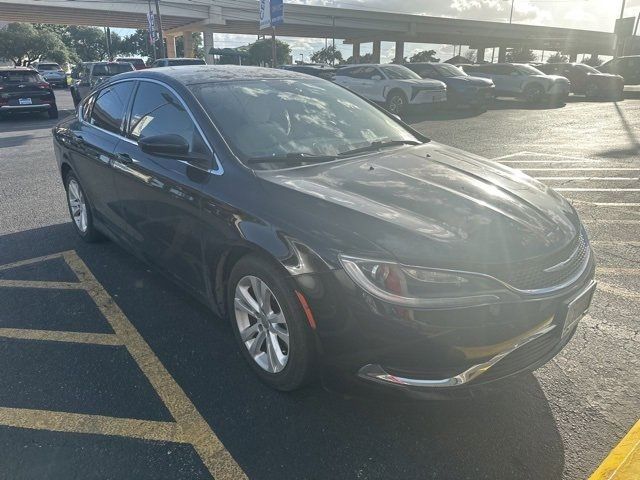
31,261
41,284
623,463
93,424
60,336
196,430
618,271
621,292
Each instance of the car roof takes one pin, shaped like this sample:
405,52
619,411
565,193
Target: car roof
181,58
193,74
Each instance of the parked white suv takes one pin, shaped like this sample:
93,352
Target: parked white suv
394,85
523,81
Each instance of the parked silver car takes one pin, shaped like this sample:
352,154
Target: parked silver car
522,81
52,73
394,85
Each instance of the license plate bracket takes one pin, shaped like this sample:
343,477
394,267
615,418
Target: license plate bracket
577,308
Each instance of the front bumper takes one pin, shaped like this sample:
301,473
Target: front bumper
559,89
477,96
435,352
428,97
26,108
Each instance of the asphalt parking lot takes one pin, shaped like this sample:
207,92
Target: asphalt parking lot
109,371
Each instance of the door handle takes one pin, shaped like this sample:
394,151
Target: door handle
124,158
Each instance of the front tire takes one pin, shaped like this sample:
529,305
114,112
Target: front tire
397,102
269,324
80,210
534,94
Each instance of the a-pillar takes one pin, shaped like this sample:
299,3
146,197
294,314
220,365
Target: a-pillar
356,52
502,54
187,41
171,46
573,57
376,51
399,58
207,42
480,55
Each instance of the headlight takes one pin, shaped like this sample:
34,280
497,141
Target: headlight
415,287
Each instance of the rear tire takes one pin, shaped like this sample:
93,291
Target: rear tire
80,210
261,321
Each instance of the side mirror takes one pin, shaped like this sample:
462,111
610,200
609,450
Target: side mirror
376,77
168,145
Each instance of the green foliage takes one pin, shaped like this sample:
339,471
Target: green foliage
557,58
24,44
593,60
328,54
424,56
520,55
260,52
366,58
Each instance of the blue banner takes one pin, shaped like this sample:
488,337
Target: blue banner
277,12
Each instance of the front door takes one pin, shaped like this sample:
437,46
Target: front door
161,196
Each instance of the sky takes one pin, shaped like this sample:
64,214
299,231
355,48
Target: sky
583,14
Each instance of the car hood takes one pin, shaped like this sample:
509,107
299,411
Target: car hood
469,81
432,205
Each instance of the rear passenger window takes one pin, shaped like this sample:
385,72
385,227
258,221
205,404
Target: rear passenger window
109,106
157,111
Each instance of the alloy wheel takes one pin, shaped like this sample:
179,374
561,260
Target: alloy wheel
396,103
77,205
262,324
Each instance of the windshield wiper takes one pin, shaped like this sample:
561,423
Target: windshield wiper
291,158
378,145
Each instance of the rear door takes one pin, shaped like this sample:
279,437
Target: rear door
161,196
507,79
93,141
24,88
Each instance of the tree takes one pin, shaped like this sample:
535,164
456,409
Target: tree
471,56
260,52
135,44
366,58
89,43
424,56
328,54
23,44
593,60
557,58
520,55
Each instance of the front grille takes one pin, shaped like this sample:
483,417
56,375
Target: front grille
521,358
532,276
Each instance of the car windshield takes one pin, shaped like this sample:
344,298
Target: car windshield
20,76
586,68
399,72
295,118
195,61
111,69
48,66
447,70
528,70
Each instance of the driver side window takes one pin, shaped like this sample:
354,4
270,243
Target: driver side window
157,111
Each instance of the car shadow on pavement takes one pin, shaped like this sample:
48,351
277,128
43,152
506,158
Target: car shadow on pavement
517,104
313,433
